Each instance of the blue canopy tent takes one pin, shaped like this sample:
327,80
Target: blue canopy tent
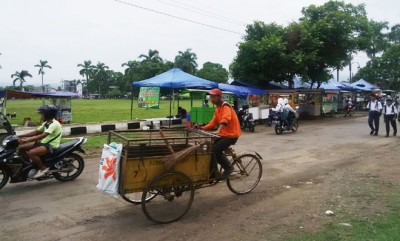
241,91
174,79
364,85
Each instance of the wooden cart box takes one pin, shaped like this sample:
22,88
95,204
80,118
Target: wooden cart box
143,153
137,173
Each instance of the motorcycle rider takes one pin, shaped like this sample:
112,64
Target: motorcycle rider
228,130
42,141
291,111
278,109
348,106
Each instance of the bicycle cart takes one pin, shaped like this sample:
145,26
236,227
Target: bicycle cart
161,170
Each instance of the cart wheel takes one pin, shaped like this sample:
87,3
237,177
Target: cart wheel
247,174
174,197
136,197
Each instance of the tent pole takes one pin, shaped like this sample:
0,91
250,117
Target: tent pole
170,108
132,102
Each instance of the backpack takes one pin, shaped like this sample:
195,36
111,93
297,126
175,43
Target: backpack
392,109
285,113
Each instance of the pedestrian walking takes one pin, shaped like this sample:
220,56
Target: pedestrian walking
375,112
389,116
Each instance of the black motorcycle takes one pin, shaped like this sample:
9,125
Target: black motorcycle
246,119
349,109
282,124
64,163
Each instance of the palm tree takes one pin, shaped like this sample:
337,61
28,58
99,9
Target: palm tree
130,65
186,61
87,70
377,40
43,64
153,55
20,76
100,73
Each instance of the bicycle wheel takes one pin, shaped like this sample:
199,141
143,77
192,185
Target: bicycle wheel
174,197
136,197
247,174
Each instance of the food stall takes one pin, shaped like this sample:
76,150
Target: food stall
253,97
310,102
330,101
204,114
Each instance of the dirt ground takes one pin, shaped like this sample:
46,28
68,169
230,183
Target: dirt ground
331,164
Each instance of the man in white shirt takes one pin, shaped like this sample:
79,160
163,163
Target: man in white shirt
375,111
389,116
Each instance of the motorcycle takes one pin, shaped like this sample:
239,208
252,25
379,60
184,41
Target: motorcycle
349,109
64,163
246,119
282,125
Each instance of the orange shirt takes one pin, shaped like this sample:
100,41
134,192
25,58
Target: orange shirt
225,115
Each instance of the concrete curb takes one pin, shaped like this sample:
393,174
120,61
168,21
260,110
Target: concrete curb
68,130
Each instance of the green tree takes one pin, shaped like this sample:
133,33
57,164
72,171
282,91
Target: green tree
100,78
394,35
20,76
374,39
87,70
186,61
214,72
383,71
43,64
268,53
334,31
153,55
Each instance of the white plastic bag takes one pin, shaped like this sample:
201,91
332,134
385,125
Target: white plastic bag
109,168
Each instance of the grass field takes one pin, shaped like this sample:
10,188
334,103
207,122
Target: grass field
87,111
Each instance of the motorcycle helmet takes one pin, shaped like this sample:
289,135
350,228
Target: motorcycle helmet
49,111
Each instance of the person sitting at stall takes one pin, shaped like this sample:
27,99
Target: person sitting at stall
205,104
181,113
228,130
42,141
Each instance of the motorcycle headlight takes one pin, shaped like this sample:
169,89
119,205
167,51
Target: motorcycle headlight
4,143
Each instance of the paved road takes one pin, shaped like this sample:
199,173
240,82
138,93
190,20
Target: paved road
51,210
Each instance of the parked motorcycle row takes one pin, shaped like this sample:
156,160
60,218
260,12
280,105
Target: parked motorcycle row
65,164
280,124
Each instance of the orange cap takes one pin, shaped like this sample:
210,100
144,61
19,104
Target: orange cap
215,92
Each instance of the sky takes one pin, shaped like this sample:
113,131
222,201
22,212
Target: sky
67,32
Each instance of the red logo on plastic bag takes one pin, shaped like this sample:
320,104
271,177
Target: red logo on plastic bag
109,168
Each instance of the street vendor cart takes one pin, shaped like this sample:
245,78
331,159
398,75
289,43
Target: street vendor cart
160,170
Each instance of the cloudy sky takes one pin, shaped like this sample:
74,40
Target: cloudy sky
67,32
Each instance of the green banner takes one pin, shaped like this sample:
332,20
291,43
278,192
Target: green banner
149,97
